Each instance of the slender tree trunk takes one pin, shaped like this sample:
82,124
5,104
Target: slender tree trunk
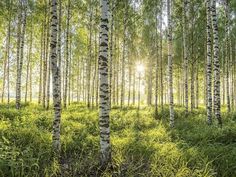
48,63
59,44
170,72
185,55
117,71
103,86
27,76
122,96
83,80
97,79
156,66
217,103
41,67
192,85
48,85
45,44
78,81
30,82
197,86
129,78
67,56
8,59
134,86
89,57
193,60
29,62
6,63
179,86
95,69
111,51
149,94
223,75
209,63
161,62
114,67
231,71
227,55
20,61
70,76
55,80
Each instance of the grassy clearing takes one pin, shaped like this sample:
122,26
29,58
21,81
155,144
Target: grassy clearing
141,145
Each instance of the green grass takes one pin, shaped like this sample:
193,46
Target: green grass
141,144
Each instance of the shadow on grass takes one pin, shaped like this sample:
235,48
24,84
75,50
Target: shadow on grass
216,145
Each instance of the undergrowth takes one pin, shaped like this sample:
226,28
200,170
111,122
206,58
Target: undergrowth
142,144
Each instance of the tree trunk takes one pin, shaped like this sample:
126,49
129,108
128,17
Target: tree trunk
156,64
70,76
6,60
227,55
55,80
185,55
48,85
45,55
48,63
149,82
59,44
170,72
216,69
21,52
41,67
129,78
111,51
29,62
89,57
122,95
192,86
67,56
197,86
209,63
161,65
103,86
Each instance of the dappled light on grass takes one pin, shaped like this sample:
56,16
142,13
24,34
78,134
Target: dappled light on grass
141,145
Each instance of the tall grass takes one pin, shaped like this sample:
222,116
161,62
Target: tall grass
141,144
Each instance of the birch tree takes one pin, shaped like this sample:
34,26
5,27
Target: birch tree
55,79
103,86
209,68
20,51
185,55
170,72
216,63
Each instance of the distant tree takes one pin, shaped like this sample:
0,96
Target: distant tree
170,70
20,49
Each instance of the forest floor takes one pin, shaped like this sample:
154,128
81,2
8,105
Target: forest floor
141,145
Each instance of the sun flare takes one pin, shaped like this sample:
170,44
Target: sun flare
140,68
